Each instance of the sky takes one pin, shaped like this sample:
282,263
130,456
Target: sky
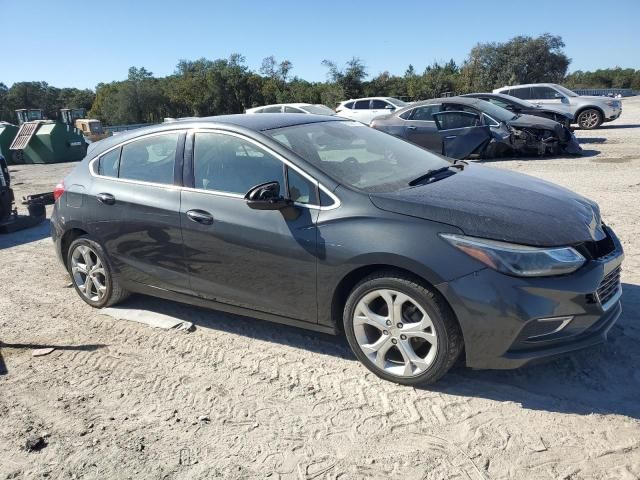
81,43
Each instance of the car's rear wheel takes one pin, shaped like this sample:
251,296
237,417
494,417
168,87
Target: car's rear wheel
91,274
401,330
589,119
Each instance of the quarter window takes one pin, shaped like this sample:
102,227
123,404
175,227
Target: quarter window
108,163
226,163
348,105
150,159
301,190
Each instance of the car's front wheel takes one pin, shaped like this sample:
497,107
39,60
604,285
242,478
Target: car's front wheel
401,330
589,119
91,274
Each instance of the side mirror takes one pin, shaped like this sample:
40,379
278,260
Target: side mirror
389,107
558,95
266,196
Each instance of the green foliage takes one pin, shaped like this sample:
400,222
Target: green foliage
206,87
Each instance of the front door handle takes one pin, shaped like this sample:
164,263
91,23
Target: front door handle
411,127
200,216
106,198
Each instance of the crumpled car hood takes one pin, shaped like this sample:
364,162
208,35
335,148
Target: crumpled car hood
501,205
532,121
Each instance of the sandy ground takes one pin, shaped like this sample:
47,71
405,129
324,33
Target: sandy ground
241,398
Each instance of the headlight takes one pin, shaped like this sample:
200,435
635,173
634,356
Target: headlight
613,103
518,260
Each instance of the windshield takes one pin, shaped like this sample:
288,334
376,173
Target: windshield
566,91
397,102
318,109
359,156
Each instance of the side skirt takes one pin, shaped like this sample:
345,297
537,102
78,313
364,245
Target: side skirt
225,307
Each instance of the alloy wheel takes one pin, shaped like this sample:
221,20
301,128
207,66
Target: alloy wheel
395,333
589,119
88,273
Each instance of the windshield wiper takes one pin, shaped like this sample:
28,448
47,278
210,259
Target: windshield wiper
432,175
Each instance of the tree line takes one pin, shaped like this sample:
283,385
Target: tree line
206,87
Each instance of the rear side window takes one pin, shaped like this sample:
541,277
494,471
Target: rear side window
277,109
425,113
523,93
362,105
225,163
108,163
150,159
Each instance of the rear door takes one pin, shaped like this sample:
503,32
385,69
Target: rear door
263,260
462,133
135,212
421,127
362,111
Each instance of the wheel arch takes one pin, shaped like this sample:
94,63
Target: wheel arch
351,279
588,107
67,238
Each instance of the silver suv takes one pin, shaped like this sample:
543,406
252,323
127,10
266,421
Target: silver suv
588,112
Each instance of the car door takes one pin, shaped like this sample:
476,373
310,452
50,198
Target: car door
380,107
136,213
263,260
421,127
462,133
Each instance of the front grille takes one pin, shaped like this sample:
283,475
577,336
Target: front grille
609,286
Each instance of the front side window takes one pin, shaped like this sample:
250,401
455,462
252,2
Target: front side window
362,105
276,109
226,163
543,93
288,109
150,159
380,104
523,93
356,155
453,120
108,163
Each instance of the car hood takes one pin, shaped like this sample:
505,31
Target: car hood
533,121
501,205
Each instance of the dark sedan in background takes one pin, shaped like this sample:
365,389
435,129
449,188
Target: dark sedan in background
558,113
327,224
463,127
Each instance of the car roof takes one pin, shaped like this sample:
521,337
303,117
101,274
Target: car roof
508,98
282,104
529,85
239,122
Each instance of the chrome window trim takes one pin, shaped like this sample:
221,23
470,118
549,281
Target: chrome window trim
92,168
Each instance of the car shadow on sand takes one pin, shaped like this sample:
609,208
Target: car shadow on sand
28,235
602,379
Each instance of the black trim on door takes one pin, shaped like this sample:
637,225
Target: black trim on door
188,177
178,166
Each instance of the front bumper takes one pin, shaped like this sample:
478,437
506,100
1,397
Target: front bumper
613,115
501,316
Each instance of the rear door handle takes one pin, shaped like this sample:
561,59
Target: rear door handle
411,127
200,216
106,198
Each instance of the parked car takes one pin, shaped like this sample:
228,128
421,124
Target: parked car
366,109
589,112
316,109
461,127
558,113
327,224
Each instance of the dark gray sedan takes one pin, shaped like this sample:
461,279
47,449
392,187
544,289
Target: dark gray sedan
327,224
464,127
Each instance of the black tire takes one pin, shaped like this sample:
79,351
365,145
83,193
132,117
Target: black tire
113,290
449,337
589,118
